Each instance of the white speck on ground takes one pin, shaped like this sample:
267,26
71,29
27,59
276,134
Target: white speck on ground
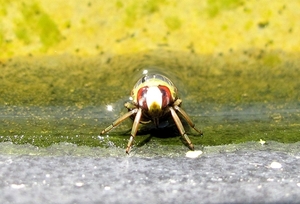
275,165
193,154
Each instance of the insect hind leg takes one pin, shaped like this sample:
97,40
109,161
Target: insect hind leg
181,128
187,118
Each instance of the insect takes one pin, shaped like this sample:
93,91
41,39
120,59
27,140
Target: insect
154,99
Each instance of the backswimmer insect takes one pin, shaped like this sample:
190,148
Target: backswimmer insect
154,98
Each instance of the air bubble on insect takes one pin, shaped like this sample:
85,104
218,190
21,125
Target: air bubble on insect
193,154
145,71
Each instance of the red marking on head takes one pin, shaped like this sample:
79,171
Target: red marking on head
166,96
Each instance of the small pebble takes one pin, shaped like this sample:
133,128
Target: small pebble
262,142
79,184
17,186
275,165
193,154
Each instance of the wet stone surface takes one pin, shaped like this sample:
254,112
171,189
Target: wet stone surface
234,176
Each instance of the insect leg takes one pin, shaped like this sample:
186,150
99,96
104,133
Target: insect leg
187,118
180,128
134,128
119,120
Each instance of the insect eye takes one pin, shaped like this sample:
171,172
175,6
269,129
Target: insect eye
141,97
163,92
166,95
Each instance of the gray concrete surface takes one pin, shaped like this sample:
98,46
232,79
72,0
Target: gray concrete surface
225,174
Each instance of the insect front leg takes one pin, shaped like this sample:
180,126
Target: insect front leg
130,105
119,120
134,129
180,128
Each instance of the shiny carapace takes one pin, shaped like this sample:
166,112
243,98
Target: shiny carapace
154,99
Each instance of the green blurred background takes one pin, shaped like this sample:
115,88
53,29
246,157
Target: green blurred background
43,27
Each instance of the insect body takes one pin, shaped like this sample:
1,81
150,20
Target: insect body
154,98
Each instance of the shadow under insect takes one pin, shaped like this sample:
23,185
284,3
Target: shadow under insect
166,129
